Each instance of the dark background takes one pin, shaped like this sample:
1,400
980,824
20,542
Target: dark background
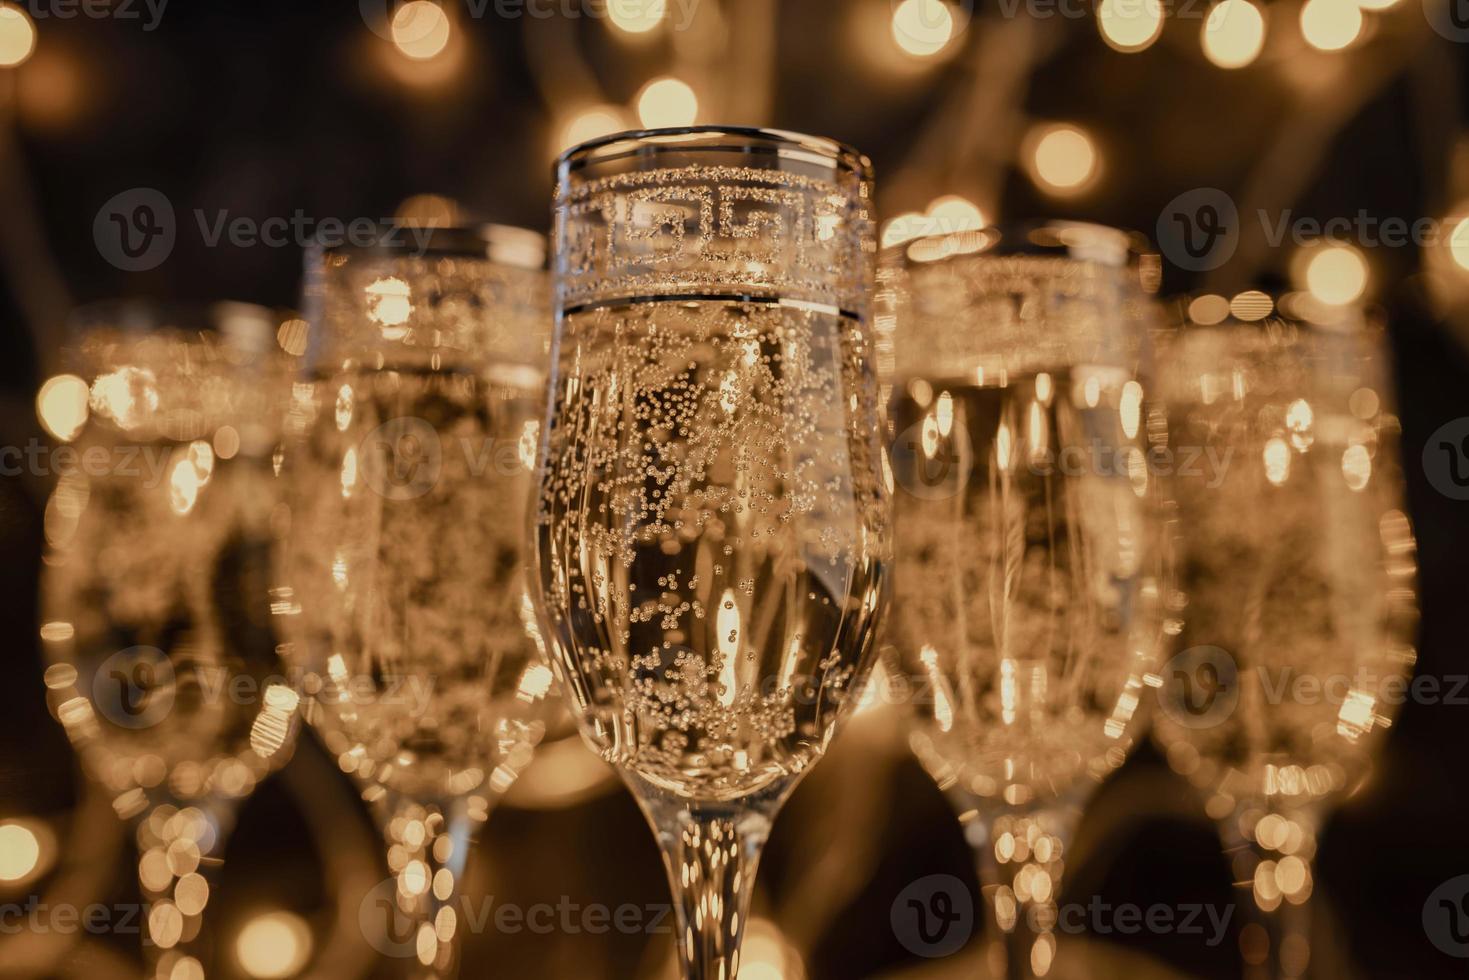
267,106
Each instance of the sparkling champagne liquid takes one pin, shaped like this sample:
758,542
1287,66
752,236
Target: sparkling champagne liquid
1027,593
157,613
711,536
410,529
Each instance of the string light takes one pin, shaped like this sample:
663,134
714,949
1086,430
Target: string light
922,28
1208,309
954,213
1330,25
1459,243
667,102
1130,25
636,16
17,36
420,29
946,214
61,405
1234,34
273,946
20,852
589,124
1336,274
1063,159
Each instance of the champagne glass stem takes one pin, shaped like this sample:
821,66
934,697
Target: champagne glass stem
711,852
1018,864
1280,892
435,840
180,854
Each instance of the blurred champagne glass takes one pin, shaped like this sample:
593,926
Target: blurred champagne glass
155,586
1296,590
1030,539
712,521
412,439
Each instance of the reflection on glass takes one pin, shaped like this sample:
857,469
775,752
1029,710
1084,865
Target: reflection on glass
156,618
711,529
1028,608
1296,591
413,436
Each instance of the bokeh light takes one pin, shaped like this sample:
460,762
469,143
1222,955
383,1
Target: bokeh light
273,945
1459,243
1251,305
421,29
589,123
1208,309
1330,25
1130,25
636,16
61,406
1234,34
922,28
20,851
667,102
1336,274
954,213
1062,159
17,36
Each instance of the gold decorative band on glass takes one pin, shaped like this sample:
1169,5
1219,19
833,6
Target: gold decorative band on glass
1017,299
421,294
707,212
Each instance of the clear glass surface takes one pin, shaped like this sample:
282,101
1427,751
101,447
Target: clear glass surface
711,526
155,592
1296,592
413,436
1030,572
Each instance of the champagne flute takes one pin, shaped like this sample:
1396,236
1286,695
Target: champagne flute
1297,589
413,436
1030,556
156,614
711,530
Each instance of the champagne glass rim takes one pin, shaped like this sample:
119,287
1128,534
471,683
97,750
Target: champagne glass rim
748,139
243,325
503,244
1080,241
